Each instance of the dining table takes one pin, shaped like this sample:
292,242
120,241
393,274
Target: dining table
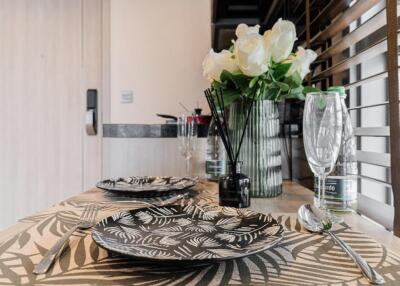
301,257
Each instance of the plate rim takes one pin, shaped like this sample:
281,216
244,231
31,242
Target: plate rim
100,243
193,182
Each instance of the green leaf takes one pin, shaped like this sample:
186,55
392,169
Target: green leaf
296,78
271,93
298,96
231,99
283,86
225,76
215,85
230,96
280,70
296,93
298,89
253,82
235,80
308,89
293,81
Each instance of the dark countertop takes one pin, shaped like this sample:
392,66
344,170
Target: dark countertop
145,130
288,114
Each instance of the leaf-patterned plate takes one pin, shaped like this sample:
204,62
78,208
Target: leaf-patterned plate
188,233
146,184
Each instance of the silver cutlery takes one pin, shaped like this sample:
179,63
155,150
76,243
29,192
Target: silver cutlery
87,220
314,220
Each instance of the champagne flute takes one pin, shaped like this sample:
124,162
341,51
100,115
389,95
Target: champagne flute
322,133
187,138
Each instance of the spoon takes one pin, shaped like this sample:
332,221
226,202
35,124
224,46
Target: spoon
314,220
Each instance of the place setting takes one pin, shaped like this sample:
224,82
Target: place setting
172,231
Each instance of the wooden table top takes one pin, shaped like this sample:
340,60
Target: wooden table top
314,259
294,195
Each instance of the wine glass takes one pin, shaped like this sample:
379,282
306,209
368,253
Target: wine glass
322,133
187,138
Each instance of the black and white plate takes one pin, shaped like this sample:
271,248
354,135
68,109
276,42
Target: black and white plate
146,184
188,233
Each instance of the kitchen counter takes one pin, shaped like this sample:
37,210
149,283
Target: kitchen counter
146,130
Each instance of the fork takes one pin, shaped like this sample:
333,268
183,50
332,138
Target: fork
87,220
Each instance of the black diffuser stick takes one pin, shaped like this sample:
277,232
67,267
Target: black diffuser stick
228,145
220,99
220,130
222,124
244,130
219,92
222,135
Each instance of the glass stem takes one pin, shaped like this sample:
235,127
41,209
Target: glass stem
188,166
319,191
322,200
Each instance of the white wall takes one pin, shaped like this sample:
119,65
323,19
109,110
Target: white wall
149,157
157,47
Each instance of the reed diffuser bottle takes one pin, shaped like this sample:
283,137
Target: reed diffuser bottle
234,189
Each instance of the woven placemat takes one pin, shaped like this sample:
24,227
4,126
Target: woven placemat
300,259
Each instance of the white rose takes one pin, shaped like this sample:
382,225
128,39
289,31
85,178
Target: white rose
280,40
251,55
243,29
214,63
301,62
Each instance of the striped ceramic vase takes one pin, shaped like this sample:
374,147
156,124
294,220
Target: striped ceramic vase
261,147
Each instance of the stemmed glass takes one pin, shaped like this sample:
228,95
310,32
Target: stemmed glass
187,138
322,133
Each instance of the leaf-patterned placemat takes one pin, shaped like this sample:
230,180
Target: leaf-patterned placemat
300,259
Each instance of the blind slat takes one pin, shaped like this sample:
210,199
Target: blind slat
373,24
362,56
369,105
367,80
351,14
380,182
380,212
374,158
372,131
329,12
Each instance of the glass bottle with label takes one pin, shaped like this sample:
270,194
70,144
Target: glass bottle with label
216,158
341,184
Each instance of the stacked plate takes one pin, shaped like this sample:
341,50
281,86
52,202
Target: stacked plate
146,185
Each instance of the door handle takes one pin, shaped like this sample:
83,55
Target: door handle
91,112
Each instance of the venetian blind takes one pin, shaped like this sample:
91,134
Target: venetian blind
357,48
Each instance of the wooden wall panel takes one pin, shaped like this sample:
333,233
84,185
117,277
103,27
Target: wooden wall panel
40,105
394,119
50,54
92,78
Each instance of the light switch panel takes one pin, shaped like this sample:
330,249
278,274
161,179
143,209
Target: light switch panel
127,96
